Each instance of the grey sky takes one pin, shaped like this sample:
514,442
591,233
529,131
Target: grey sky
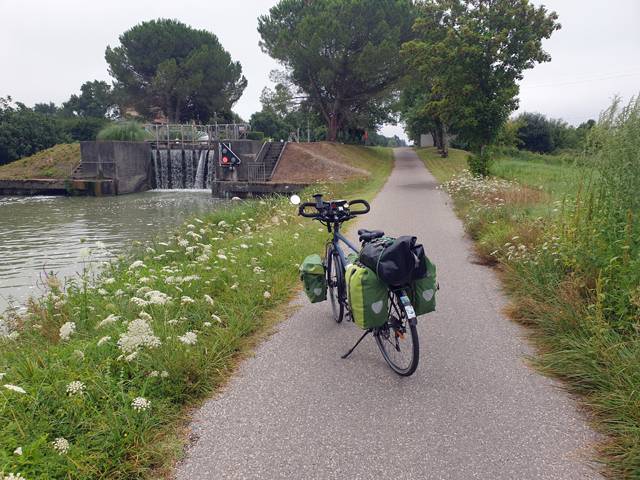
49,48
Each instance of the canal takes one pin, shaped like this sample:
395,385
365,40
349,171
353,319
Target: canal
44,234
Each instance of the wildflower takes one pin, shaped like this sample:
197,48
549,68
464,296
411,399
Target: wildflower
173,322
139,334
18,451
157,298
12,476
76,388
15,388
61,445
103,292
244,245
84,252
183,243
67,330
186,300
266,294
145,316
222,256
103,340
154,373
140,404
136,264
206,324
110,281
131,357
110,320
164,374
189,338
13,335
139,301
79,354
208,299
234,286
2,374
118,293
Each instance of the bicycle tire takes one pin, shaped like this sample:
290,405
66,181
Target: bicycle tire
335,283
384,339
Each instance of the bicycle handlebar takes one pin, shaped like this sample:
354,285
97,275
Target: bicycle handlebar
332,211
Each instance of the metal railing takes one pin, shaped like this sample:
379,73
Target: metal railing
257,172
191,134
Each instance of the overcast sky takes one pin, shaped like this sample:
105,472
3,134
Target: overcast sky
49,48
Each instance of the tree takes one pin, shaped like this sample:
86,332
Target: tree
343,54
46,108
24,132
165,65
96,99
473,53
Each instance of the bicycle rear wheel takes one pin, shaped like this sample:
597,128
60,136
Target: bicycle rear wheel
335,283
398,340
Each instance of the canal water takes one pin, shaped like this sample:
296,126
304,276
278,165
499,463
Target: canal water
44,234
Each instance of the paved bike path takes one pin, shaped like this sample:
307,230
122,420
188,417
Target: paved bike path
473,409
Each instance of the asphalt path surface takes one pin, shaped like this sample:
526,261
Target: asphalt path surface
473,409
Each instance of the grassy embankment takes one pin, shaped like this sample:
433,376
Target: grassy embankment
56,162
566,237
99,381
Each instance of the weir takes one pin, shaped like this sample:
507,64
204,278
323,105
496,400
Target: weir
190,168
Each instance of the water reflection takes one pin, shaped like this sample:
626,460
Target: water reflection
40,234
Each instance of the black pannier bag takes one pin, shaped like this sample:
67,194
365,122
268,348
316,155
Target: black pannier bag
396,261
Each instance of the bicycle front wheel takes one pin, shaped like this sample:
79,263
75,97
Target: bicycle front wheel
335,283
398,340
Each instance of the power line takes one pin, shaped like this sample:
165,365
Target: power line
584,80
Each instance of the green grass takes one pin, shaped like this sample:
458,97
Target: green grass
227,277
56,162
566,238
443,168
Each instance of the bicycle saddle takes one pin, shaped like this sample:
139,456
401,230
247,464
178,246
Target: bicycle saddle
368,235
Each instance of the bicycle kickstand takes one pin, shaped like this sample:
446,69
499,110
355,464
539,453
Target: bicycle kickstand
357,343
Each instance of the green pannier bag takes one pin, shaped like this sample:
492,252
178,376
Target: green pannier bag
368,297
313,278
423,290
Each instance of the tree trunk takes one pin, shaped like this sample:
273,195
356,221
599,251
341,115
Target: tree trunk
444,153
332,128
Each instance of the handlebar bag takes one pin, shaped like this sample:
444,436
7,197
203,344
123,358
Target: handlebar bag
422,291
396,261
313,278
368,297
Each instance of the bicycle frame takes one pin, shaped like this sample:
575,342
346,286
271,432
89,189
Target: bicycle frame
336,239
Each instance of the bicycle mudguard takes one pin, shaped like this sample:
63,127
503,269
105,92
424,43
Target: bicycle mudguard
408,308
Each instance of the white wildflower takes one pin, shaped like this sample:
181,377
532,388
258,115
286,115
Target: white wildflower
79,354
67,330
131,357
76,388
110,281
12,476
234,286
145,316
216,318
61,445
183,243
157,298
14,388
164,374
154,373
103,340
266,295
18,451
189,338
140,404
84,252
186,300
206,324
118,293
208,299
110,320
13,335
222,256
136,264
139,334
103,292
139,301
173,322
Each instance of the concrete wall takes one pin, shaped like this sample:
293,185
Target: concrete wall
247,150
128,163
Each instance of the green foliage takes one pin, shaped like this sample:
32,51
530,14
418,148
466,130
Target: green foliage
24,132
268,122
96,99
480,163
82,128
255,135
342,53
472,54
537,133
168,66
124,131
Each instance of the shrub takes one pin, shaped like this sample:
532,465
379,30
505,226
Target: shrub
124,131
479,163
255,136
83,128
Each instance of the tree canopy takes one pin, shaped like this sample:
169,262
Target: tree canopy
164,65
472,53
96,99
343,54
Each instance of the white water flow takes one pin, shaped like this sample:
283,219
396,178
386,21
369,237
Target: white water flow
183,169
199,182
